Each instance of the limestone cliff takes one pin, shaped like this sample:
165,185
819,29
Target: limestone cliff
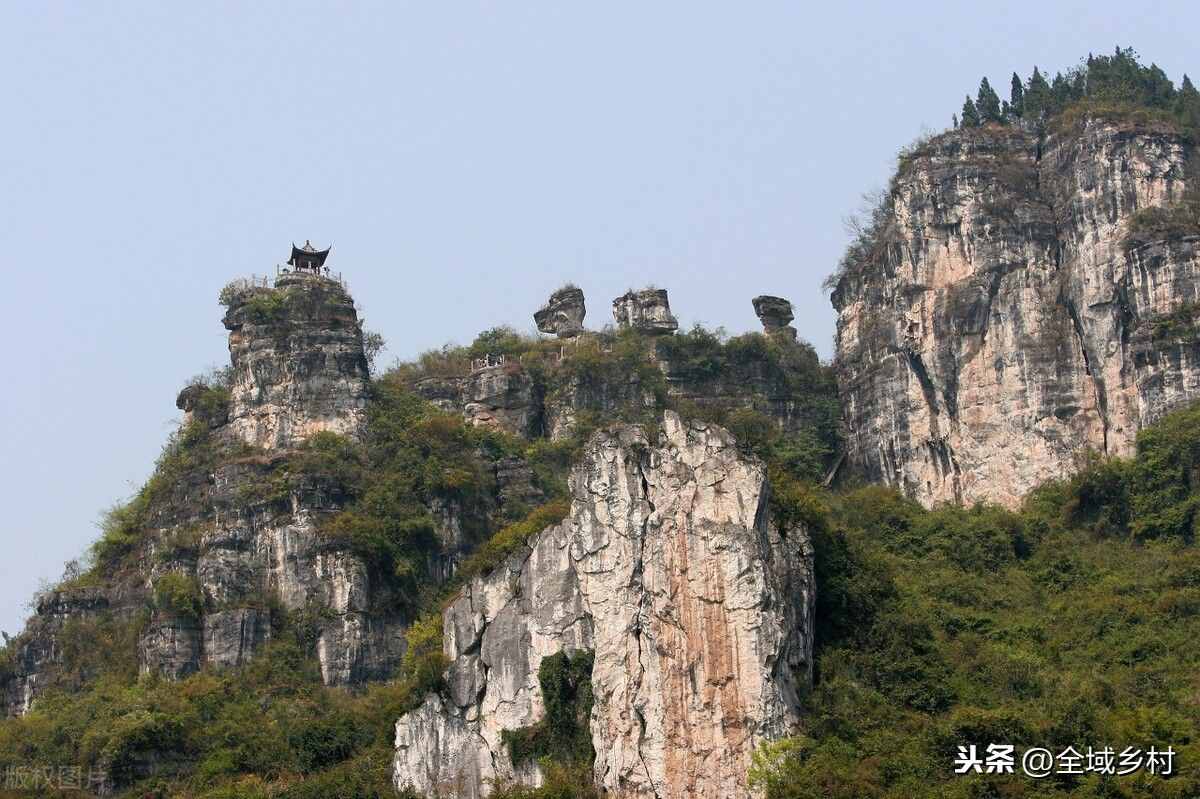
997,320
297,361
226,525
698,610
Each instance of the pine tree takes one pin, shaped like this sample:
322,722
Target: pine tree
1037,96
970,115
1016,96
987,102
1060,94
1187,104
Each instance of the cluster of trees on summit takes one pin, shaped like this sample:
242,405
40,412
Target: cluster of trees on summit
1118,80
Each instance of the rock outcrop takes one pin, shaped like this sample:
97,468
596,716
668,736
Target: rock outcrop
298,363
776,316
37,649
563,314
998,321
697,608
501,397
647,310
240,535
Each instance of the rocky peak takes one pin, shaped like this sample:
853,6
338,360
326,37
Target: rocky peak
298,365
1000,318
647,310
696,607
563,313
776,316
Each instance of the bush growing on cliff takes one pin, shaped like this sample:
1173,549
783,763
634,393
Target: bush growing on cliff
270,724
874,236
177,594
185,462
563,735
509,539
412,453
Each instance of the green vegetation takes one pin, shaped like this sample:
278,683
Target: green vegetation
1118,87
562,735
509,539
211,405
177,594
270,728
1072,621
412,454
424,660
561,742
267,305
267,729
189,456
612,376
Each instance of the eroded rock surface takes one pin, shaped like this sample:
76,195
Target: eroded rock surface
563,314
298,362
647,310
1002,325
500,397
698,611
241,537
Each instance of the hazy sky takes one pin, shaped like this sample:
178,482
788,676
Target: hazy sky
464,160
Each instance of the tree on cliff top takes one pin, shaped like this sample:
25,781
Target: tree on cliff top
1117,81
987,102
970,114
1016,96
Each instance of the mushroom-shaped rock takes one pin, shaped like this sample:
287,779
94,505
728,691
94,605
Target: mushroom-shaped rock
647,310
775,313
563,313
198,401
190,397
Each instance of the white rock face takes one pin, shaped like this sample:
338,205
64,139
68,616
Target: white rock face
283,555
298,363
698,611
1003,326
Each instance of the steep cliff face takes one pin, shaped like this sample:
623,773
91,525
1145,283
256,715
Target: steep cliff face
501,397
297,358
996,324
697,608
224,539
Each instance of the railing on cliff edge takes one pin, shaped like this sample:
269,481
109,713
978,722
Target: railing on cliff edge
269,281
564,349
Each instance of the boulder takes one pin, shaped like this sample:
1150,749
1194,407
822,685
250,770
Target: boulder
563,313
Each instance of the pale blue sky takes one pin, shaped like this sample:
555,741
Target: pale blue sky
464,159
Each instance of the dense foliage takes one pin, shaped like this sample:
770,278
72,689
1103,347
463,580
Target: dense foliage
562,735
1071,622
266,729
1116,84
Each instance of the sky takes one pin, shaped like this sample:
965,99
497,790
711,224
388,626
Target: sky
463,159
